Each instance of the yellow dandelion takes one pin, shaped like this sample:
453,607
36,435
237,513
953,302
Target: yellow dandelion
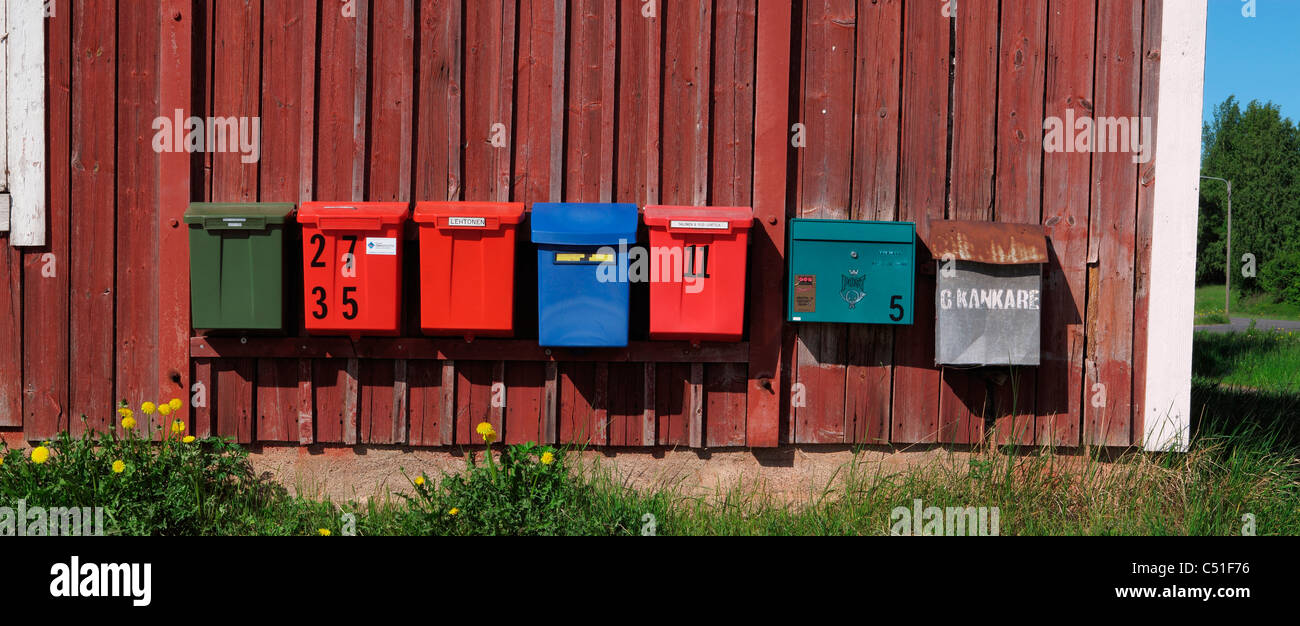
178,427
128,422
419,480
453,511
164,409
188,439
175,404
547,458
2,460
40,454
118,467
125,412
324,532
488,433
147,408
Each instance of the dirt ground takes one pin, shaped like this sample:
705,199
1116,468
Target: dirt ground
789,473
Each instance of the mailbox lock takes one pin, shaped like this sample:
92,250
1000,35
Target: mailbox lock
854,254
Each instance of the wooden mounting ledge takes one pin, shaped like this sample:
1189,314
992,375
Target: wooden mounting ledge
460,350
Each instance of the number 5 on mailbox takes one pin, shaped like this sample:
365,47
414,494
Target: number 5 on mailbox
352,267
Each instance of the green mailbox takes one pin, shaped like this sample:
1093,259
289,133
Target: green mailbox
237,265
851,271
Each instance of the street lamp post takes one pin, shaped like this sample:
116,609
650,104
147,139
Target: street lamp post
1227,268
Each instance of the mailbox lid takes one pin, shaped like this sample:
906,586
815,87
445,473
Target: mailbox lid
583,223
805,229
468,215
353,215
700,220
237,215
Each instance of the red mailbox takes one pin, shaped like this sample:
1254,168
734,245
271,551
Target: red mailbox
467,267
352,267
697,261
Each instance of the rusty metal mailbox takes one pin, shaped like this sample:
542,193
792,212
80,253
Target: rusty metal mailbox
988,300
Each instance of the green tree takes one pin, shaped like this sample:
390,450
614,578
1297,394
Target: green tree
1259,151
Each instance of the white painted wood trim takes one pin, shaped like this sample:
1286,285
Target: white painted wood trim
4,146
25,120
1173,232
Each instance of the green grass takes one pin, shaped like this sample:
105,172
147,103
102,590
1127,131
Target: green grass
1244,459
1209,306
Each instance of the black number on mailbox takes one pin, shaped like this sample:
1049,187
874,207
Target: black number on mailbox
350,302
319,292
895,306
352,243
318,240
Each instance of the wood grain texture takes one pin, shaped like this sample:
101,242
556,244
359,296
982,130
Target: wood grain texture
45,297
1066,185
922,178
175,53
1112,227
1152,18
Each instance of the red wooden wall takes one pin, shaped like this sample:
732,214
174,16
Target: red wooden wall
908,113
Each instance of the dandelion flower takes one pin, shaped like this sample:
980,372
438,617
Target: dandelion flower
40,455
125,412
419,480
547,458
188,439
128,422
178,427
164,409
147,408
324,532
118,467
453,511
488,433
175,404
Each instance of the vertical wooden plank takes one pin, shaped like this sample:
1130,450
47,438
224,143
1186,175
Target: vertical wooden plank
45,297
672,404
202,414
599,433
473,400
1112,225
425,387
350,383
687,74
236,92
176,26
277,400
329,386
869,374
922,178
232,398
305,403
696,411
731,184
138,255
24,113
1021,89
550,403
824,192
489,85
637,176
1066,186
93,171
11,335
971,188
577,399
438,138
448,419
390,111
340,138
766,387
1152,31
524,406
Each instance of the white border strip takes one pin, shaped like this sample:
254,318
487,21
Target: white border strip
25,120
1173,232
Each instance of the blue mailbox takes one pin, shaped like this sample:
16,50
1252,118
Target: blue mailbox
582,285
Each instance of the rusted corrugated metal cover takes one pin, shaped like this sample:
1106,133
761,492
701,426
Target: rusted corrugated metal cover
994,243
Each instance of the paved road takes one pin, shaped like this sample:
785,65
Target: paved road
1241,324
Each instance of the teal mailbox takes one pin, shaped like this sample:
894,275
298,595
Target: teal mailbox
851,271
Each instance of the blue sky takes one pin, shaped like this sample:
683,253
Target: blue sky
1254,58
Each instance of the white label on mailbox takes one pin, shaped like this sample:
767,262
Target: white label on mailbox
233,221
384,246
698,225
467,221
